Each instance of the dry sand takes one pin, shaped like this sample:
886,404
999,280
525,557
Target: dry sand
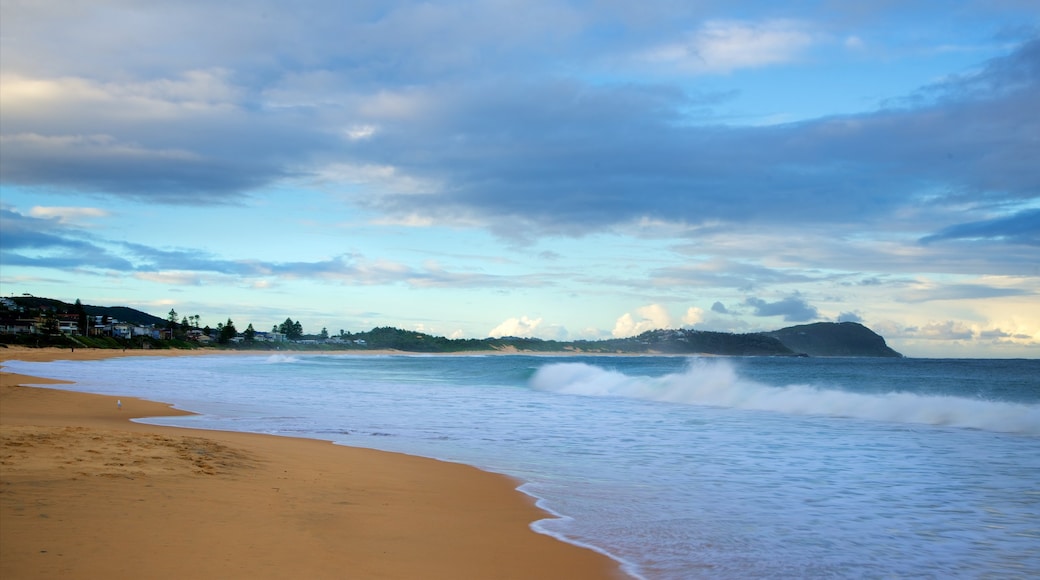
85,493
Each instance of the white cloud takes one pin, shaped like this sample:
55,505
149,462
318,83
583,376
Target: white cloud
372,177
359,132
693,316
722,46
854,43
522,326
171,278
648,317
67,215
188,95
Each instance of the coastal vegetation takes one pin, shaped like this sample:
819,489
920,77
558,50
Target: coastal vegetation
36,321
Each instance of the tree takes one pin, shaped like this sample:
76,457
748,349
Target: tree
227,332
171,320
184,325
51,325
81,318
324,333
250,333
291,330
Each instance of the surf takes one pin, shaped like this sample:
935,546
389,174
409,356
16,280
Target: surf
718,383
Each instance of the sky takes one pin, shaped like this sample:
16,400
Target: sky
565,170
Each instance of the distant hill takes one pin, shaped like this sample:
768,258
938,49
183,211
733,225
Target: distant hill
120,313
819,339
125,314
688,341
834,339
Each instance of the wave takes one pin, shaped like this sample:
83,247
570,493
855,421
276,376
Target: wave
716,383
281,359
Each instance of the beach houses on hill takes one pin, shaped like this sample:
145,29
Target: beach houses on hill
54,319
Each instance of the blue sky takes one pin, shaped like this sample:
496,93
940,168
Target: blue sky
565,170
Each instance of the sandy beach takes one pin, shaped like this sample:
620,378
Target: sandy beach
85,493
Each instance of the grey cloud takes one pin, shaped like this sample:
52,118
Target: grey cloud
726,274
1007,75
792,308
570,159
142,174
29,241
45,243
528,151
849,317
1021,228
719,308
960,292
396,42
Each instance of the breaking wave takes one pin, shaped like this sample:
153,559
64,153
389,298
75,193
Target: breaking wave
281,359
716,383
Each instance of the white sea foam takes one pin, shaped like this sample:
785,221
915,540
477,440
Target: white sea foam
281,359
716,382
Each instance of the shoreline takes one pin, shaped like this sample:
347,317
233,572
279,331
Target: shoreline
86,492
51,353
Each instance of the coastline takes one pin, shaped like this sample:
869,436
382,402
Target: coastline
88,493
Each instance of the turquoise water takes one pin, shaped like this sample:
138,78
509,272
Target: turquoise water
677,467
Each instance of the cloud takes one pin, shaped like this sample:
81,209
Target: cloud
53,243
693,316
723,273
50,243
719,307
68,215
946,330
928,292
650,317
850,317
185,139
722,46
171,278
521,327
406,110
792,308
573,159
1022,227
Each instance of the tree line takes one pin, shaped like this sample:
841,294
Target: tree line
225,331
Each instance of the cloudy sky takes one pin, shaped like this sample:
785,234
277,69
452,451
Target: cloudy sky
549,168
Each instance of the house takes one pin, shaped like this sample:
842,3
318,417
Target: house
68,326
15,325
123,330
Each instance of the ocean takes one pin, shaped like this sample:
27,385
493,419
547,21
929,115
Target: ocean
678,467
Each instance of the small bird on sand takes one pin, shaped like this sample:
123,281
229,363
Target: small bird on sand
119,404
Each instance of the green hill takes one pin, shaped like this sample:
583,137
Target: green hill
834,339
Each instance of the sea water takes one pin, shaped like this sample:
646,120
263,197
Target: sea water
677,467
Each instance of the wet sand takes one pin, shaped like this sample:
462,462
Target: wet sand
85,493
